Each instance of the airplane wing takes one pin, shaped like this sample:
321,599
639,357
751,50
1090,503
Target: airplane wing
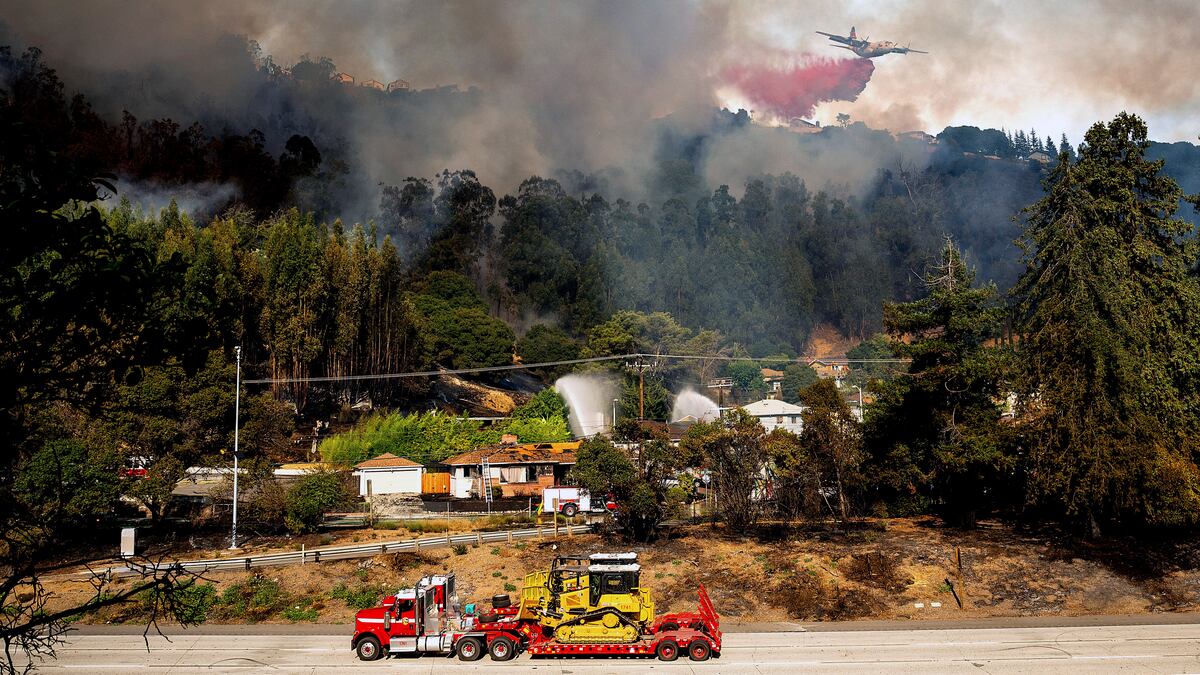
836,38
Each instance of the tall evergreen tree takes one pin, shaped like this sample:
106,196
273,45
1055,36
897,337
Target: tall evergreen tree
1110,344
934,431
1021,144
1064,147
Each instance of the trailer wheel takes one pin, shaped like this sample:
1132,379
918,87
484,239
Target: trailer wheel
470,649
667,650
699,651
368,648
502,649
570,509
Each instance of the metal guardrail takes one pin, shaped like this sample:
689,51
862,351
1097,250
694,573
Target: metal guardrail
329,553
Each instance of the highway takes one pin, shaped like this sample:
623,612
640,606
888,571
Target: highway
1085,647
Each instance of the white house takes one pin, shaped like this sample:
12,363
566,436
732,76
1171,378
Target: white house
776,414
388,474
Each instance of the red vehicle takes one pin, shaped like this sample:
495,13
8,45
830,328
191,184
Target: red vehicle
426,620
135,467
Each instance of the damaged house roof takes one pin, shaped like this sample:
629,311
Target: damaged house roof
525,453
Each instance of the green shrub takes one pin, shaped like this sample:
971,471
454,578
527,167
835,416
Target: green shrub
195,600
357,598
426,438
301,611
310,499
459,549
431,437
509,588
255,599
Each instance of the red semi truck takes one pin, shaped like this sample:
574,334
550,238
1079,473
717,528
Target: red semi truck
426,619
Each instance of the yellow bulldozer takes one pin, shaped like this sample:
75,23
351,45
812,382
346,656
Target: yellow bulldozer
592,599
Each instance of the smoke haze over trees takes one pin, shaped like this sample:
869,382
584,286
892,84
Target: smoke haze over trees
566,181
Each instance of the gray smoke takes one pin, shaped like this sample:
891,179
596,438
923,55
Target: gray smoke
198,200
586,85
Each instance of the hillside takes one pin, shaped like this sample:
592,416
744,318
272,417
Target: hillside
883,569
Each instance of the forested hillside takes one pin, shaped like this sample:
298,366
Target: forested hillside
124,319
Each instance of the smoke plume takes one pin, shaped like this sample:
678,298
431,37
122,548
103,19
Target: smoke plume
589,85
797,90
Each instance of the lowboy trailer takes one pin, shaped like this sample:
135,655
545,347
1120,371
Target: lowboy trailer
427,619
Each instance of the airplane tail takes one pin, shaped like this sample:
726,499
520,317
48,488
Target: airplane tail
853,36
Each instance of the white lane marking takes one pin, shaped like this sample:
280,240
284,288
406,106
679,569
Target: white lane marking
101,665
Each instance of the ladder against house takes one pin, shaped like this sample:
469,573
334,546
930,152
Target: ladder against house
486,477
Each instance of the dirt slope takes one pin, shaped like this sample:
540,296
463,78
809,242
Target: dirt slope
882,570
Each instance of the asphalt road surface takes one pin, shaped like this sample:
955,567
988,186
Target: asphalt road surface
1087,646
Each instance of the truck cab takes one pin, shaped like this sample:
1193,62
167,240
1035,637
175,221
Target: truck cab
414,620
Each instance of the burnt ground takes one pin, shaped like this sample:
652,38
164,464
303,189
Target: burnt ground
879,569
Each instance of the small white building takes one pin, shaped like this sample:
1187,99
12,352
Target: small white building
776,414
388,474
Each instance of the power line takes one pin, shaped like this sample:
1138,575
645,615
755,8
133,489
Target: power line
431,373
551,364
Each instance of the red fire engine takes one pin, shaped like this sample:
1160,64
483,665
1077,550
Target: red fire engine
427,619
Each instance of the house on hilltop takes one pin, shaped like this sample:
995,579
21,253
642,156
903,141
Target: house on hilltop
372,84
343,78
398,85
515,469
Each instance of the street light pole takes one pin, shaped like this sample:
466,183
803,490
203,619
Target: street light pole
614,417
237,405
860,408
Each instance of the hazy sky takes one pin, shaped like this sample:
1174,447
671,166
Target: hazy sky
1057,66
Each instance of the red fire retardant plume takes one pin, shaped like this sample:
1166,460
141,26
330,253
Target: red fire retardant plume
796,91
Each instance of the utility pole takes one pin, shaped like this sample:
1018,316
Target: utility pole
614,417
237,404
860,408
641,394
641,367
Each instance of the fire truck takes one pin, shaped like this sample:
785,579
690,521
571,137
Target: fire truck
428,619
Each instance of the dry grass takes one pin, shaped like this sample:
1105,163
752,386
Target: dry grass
875,572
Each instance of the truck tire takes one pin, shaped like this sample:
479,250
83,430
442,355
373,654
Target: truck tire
470,649
570,509
501,601
668,627
502,649
699,651
368,648
667,650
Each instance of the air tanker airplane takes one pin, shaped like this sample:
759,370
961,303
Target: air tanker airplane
865,48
